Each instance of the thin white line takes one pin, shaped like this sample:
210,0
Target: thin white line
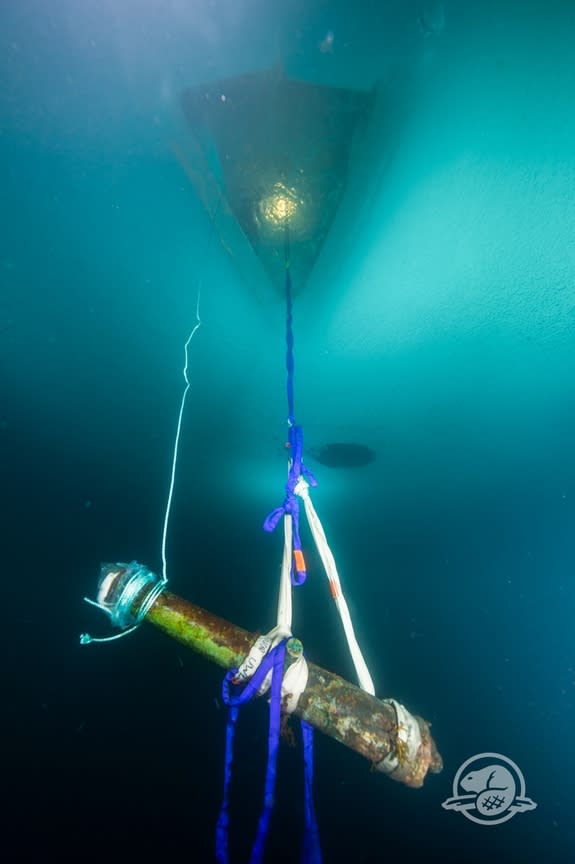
196,327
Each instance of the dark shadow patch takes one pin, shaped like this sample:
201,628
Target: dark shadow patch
341,455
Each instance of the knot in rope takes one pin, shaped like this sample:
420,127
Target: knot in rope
290,506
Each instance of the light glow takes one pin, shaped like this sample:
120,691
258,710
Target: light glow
280,207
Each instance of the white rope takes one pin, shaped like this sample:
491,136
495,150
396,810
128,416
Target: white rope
325,553
167,512
294,683
284,615
296,676
408,740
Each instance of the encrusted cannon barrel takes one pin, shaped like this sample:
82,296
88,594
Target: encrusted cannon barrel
393,740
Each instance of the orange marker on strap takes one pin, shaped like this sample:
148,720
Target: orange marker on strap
334,589
299,560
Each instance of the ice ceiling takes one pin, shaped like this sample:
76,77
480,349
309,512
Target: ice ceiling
436,324
434,320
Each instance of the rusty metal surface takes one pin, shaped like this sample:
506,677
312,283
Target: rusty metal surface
329,703
206,634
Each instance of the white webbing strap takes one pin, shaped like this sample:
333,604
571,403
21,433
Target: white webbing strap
325,553
294,683
407,744
296,675
282,630
284,614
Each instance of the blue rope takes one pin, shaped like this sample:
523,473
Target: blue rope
289,341
311,853
273,661
297,469
223,823
273,746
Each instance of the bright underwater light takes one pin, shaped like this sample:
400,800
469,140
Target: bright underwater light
281,207
276,151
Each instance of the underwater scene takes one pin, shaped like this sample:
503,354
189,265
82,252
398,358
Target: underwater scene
287,430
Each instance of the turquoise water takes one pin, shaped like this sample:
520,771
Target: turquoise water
437,329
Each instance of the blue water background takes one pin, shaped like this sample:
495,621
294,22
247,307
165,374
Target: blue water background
437,328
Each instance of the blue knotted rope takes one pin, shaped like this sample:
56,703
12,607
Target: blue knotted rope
297,468
273,661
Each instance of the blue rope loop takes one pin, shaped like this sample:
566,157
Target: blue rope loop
273,661
311,851
290,504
